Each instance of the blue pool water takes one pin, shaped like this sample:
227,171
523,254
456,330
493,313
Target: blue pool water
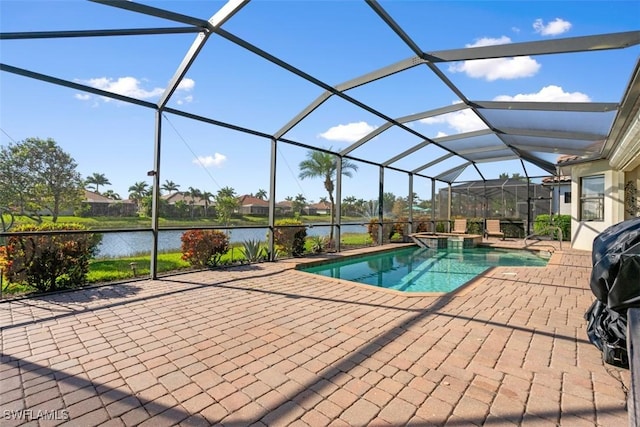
418,269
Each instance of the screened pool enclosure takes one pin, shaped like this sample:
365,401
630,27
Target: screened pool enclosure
397,119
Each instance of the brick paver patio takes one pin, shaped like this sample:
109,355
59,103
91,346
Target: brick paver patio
268,345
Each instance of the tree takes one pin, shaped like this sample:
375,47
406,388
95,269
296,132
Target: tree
207,197
138,191
320,164
400,207
194,194
261,194
299,204
36,175
95,180
110,194
348,205
388,199
226,204
504,175
170,186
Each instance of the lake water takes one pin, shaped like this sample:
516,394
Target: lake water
130,243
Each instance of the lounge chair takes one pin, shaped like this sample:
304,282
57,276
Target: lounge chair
460,226
493,229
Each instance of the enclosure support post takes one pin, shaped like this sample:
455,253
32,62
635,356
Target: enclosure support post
337,213
528,206
272,200
155,197
433,204
380,206
410,198
449,210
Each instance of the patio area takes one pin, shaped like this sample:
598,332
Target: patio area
266,344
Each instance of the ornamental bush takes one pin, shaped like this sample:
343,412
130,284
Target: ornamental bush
49,262
291,238
388,229
543,222
204,248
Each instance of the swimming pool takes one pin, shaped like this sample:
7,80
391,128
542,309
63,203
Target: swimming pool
417,269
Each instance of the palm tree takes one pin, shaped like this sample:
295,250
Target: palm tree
170,186
110,194
138,191
261,194
207,197
95,180
320,164
227,192
193,193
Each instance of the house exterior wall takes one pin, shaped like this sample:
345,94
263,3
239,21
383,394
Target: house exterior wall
559,206
583,232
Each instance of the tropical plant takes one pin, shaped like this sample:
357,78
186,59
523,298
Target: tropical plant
289,236
193,194
48,262
226,204
170,186
320,164
204,248
206,197
110,194
261,194
318,243
95,180
253,250
138,191
298,204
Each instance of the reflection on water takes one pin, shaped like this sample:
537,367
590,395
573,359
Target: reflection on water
131,243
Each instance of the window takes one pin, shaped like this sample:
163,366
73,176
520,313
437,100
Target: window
567,197
592,198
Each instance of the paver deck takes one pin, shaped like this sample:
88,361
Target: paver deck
268,345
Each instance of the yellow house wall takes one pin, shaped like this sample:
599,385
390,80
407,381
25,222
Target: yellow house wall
583,232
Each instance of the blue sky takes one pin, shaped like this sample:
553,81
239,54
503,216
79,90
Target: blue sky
334,41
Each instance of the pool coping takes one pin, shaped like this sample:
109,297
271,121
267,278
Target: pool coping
461,290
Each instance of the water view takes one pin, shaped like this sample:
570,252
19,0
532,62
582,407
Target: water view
130,243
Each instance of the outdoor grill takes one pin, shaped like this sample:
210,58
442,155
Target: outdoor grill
615,281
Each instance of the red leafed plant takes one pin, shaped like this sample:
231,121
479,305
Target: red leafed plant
204,248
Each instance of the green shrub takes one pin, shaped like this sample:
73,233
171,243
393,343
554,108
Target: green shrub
318,243
545,224
253,250
204,248
423,224
388,229
290,239
49,262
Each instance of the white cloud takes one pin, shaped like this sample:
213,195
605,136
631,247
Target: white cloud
127,86
350,132
549,93
185,100
208,161
496,68
461,121
553,28
186,84
133,88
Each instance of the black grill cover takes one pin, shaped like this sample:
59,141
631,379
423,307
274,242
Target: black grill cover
615,281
